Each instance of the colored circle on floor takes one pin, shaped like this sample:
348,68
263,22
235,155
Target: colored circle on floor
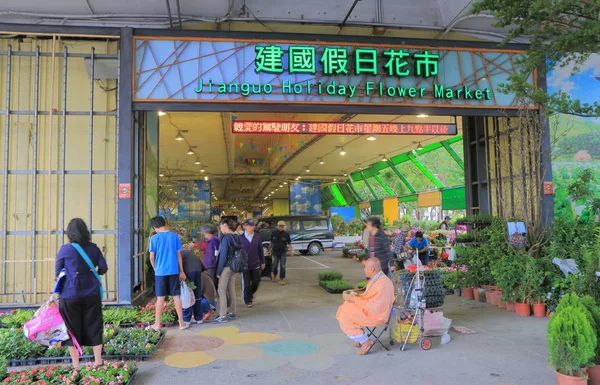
290,348
192,343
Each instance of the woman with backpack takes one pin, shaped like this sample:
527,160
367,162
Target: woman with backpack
230,243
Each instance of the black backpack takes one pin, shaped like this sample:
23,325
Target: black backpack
239,258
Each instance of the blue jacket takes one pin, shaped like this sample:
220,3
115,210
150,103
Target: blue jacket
256,255
80,281
229,244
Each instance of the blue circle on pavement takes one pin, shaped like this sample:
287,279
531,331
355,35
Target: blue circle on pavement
290,348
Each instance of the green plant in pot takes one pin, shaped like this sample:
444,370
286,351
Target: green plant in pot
572,341
507,273
594,371
531,285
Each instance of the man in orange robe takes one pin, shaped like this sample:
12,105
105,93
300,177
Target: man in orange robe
372,308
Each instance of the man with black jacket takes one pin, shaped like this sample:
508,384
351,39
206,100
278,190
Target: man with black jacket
379,244
281,243
252,245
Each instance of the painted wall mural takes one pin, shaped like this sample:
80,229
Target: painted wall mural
305,198
578,146
194,200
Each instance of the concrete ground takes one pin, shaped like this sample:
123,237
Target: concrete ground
291,337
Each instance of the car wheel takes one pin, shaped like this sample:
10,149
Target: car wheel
314,248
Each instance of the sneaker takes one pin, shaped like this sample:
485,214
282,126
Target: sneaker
282,282
193,322
221,319
207,316
231,315
250,304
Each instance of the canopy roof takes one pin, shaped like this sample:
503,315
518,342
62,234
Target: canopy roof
441,16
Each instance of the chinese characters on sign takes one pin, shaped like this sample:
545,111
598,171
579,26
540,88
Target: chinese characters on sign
335,61
251,127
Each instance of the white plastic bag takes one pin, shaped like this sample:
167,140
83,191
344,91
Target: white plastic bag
187,296
435,324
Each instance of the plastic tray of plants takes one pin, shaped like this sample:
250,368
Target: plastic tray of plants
117,372
119,344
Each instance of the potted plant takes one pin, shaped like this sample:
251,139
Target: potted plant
572,341
594,371
507,272
531,285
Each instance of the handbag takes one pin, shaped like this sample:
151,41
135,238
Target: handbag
88,261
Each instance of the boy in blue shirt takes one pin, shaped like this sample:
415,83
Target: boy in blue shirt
421,245
165,257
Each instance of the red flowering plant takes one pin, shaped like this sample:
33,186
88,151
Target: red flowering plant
111,373
44,375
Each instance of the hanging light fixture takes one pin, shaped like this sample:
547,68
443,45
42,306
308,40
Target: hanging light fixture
307,169
161,113
384,159
371,138
179,137
321,161
190,151
343,152
202,169
161,175
345,174
422,116
419,146
284,182
197,161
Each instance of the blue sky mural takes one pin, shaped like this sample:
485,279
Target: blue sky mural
576,140
585,85
194,200
305,198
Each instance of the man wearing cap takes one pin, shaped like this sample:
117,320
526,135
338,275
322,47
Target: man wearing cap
252,245
445,225
281,243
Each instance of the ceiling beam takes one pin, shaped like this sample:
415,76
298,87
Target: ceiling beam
269,178
362,174
425,171
401,176
454,154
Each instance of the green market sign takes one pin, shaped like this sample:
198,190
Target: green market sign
282,72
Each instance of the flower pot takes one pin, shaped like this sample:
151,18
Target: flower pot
570,380
594,375
523,309
467,293
476,294
500,303
539,310
510,306
488,296
494,297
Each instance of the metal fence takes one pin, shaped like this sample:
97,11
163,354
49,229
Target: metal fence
58,157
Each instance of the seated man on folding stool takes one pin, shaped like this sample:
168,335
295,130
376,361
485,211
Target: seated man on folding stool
369,309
